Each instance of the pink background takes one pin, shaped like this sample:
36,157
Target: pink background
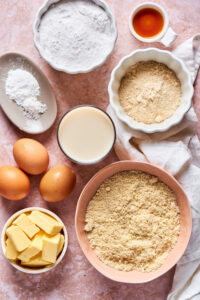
75,278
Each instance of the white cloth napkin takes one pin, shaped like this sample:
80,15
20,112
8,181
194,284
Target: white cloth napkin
178,151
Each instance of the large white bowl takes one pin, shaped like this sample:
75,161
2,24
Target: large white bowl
36,25
170,61
29,270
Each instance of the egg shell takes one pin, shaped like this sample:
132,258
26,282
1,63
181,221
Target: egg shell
57,183
14,183
31,156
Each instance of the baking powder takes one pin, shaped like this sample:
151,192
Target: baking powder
22,88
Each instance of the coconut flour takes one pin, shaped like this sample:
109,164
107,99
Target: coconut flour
76,34
22,88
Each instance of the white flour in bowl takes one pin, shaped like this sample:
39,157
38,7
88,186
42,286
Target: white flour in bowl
76,34
22,88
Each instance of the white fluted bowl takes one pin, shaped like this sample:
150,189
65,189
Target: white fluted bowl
43,9
172,62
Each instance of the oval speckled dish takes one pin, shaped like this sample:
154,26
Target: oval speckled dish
27,269
12,110
185,221
172,62
36,25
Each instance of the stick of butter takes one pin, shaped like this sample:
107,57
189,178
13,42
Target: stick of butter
34,248
18,238
11,252
26,225
50,247
45,222
36,261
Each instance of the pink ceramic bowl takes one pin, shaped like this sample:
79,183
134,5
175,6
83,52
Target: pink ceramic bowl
185,221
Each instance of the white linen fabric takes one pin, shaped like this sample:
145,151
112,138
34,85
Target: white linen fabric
178,151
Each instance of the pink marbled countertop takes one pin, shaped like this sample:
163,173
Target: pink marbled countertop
75,278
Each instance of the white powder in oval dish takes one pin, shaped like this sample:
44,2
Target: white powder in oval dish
22,88
76,34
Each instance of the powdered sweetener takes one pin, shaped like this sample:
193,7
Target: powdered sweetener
76,34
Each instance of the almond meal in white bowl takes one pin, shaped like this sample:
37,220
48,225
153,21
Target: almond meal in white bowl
150,90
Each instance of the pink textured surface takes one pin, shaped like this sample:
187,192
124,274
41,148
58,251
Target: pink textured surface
75,278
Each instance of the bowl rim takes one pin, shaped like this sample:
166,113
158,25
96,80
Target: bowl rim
118,276
31,270
101,158
37,21
149,128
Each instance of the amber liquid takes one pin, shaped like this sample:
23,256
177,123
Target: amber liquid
148,22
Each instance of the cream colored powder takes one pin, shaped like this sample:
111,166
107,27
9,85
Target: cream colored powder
150,92
132,222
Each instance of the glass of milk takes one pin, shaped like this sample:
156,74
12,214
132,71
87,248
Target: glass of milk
86,134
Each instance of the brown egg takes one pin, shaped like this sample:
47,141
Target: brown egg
31,156
14,184
57,183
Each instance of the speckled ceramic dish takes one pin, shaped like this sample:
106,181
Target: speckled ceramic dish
172,62
28,269
185,221
69,70
14,112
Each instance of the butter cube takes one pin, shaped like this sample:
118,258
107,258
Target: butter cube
61,244
26,225
11,252
45,222
18,238
34,248
50,247
38,240
36,261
